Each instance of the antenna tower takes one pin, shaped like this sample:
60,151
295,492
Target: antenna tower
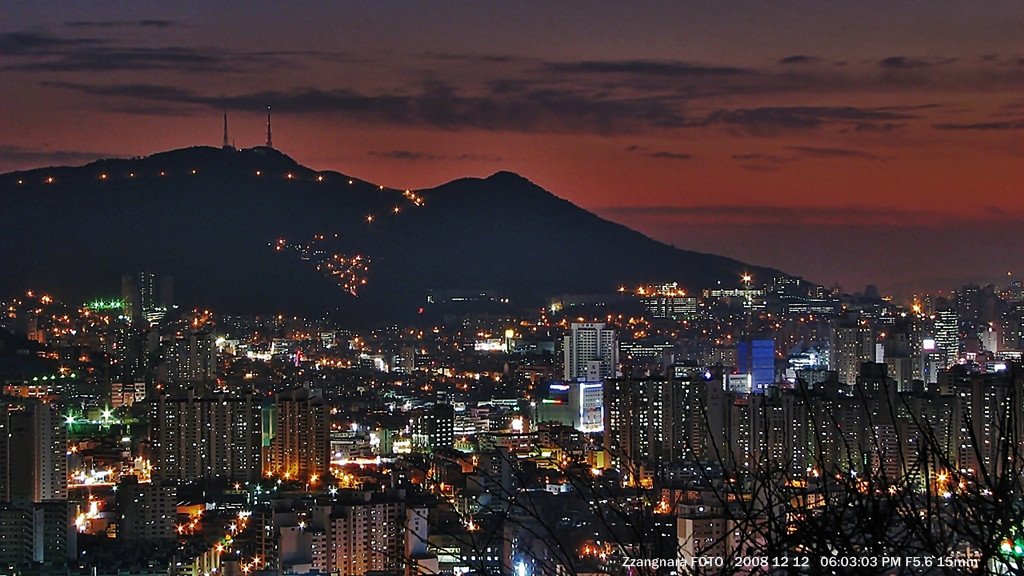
226,145
270,143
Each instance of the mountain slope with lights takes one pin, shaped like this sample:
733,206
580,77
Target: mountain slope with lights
252,231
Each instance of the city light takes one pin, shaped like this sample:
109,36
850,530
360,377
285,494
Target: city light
806,357
105,305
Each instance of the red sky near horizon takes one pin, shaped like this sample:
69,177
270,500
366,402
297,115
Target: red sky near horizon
872,143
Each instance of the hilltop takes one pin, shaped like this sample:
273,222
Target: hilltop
243,231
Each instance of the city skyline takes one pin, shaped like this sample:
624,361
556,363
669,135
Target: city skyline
870,144
211,443
511,289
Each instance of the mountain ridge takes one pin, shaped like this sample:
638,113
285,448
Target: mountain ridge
238,230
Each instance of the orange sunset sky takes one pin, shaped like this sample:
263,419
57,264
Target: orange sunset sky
869,142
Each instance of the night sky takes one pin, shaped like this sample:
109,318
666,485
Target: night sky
854,142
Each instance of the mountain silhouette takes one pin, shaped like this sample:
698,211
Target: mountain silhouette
245,231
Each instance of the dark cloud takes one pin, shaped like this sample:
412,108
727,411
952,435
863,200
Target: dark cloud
527,95
403,155
44,52
772,158
478,157
106,59
661,154
37,44
139,91
437,105
902,63
796,74
1008,125
488,58
816,152
122,24
761,162
20,156
410,155
34,51
644,67
534,109
800,59
874,127
504,86
799,117
671,155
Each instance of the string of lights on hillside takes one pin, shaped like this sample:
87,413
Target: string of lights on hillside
416,199
348,272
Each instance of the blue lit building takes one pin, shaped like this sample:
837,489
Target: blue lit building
757,358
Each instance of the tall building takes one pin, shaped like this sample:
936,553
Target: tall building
947,335
36,519
219,436
363,532
145,512
433,428
591,352
191,358
657,418
704,530
1012,327
494,472
15,534
146,296
417,555
757,359
5,454
301,447
40,532
852,343
38,447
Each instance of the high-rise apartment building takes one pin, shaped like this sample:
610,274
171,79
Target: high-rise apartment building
191,358
146,296
217,436
38,448
362,532
301,447
145,512
591,352
852,343
947,335
659,418
36,520
5,454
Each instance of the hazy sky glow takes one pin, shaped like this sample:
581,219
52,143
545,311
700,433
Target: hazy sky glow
852,142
